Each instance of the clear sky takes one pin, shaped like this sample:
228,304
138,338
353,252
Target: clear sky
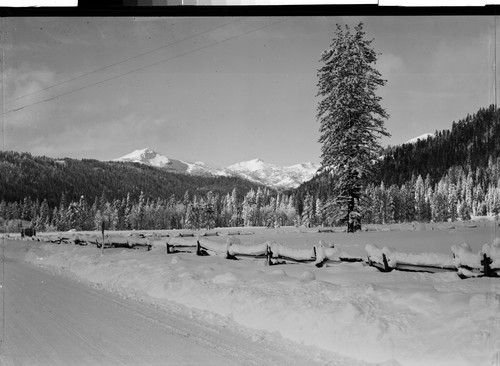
224,90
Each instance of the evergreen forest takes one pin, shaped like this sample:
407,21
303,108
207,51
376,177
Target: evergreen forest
453,175
62,194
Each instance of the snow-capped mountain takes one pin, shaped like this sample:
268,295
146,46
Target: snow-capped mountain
150,157
421,137
146,156
273,175
254,170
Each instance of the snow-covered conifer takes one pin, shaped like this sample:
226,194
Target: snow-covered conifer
351,118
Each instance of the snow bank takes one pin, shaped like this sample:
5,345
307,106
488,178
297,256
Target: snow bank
348,308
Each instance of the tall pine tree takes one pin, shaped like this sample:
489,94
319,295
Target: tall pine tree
351,119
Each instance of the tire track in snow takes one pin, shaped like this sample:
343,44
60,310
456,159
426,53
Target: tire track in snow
52,320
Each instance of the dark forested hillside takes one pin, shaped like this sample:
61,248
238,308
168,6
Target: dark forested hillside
23,175
469,144
453,175
58,195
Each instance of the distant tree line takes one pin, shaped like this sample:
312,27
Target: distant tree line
262,207
458,195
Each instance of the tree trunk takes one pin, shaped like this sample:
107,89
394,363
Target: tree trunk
350,221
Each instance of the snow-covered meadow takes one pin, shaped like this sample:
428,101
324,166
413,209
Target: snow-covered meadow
351,309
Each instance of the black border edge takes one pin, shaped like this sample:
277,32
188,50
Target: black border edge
92,9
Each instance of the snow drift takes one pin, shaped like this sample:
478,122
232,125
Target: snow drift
347,308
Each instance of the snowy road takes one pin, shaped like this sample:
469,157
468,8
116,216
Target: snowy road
52,320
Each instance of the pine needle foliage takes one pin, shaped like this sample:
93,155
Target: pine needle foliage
351,119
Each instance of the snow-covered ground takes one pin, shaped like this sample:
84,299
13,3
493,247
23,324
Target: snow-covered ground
396,318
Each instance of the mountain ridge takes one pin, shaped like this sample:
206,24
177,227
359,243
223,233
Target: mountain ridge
255,170
422,137
40,177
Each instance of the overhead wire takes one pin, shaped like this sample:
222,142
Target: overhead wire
144,67
122,61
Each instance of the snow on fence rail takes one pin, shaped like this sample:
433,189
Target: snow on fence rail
274,253
464,261
484,263
467,263
493,252
463,257
184,235
258,250
332,253
386,259
203,246
211,233
239,233
280,251
179,245
208,247
378,258
110,240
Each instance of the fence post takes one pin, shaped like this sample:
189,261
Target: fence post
269,256
486,265
386,264
102,228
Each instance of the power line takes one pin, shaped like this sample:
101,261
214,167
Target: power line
120,62
142,68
